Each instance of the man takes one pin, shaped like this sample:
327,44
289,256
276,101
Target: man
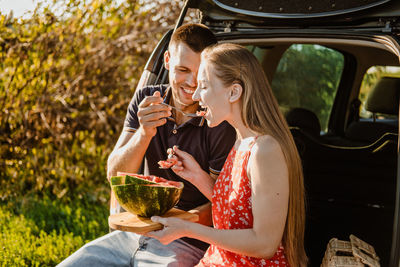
150,129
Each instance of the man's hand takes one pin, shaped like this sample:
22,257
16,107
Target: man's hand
152,114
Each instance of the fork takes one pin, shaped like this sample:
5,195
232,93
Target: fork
192,115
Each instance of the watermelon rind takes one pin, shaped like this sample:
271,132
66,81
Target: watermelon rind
145,198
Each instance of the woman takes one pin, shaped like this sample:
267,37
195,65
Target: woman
258,199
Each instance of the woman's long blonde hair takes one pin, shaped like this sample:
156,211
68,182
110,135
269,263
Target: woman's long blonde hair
260,112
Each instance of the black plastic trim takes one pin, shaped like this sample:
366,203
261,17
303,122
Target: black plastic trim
155,62
297,16
395,252
338,113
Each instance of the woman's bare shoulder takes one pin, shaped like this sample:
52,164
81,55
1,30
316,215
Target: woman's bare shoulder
266,146
267,162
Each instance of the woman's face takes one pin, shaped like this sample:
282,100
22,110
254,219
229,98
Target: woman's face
212,95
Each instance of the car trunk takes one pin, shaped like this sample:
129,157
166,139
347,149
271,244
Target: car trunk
350,188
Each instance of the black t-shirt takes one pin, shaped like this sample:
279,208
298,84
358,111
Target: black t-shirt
209,146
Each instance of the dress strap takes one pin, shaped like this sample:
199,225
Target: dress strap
253,142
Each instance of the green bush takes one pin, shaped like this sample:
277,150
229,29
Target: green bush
65,83
67,74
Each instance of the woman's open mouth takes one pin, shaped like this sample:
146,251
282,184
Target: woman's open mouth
203,112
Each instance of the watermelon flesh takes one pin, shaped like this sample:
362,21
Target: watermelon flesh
170,161
133,177
145,195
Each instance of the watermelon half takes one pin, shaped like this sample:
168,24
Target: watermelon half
145,195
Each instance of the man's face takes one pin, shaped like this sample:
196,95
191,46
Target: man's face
183,64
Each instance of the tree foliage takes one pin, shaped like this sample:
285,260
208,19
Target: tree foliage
67,73
308,77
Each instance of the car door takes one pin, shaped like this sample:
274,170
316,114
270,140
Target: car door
154,71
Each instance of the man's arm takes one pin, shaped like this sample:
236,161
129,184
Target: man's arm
128,152
131,147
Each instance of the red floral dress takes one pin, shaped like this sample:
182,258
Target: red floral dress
232,209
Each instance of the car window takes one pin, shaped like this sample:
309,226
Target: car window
371,77
307,77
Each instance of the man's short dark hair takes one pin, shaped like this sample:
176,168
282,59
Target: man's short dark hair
196,36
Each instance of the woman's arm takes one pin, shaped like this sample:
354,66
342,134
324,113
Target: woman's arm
242,241
204,213
270,192
269,176
188,168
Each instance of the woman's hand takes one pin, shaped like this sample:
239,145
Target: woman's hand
186,166
174,228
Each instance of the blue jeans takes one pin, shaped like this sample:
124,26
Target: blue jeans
128,249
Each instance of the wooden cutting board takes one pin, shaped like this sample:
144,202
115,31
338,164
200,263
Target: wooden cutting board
129,222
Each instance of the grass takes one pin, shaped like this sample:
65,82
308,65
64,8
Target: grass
42,232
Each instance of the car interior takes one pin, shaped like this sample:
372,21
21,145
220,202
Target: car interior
349,162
